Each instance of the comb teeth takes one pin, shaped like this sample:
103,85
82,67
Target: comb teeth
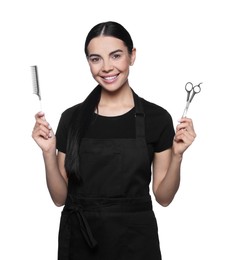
36,89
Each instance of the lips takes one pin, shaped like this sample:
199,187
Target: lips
110,79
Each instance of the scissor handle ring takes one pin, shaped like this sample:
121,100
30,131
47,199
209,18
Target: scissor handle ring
189,86
197,88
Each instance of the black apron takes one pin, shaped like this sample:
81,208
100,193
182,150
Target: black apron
108,215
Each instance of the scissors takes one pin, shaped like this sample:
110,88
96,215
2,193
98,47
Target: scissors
191,91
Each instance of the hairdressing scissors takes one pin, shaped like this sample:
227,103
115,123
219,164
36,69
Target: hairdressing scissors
191,92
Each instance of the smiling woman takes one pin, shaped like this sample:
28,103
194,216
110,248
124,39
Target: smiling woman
109,62
99,162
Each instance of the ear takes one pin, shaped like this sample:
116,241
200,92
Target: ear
133,57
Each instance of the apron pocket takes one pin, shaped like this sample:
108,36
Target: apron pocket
100,167
141,238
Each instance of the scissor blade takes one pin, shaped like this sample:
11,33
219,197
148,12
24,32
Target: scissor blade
186,109
185,112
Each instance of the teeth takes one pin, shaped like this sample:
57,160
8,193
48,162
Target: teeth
110,78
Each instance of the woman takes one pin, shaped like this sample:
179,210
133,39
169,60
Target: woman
106,146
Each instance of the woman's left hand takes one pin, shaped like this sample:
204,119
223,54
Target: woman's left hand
184,136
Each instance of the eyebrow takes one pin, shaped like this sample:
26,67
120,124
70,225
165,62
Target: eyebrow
97,55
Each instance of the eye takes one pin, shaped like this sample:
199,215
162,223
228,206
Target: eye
116,56
94,59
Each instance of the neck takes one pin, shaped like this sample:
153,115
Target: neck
116,103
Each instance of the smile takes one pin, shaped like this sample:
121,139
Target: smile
110,79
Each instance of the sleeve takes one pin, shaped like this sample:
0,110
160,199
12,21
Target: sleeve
167,134
61,134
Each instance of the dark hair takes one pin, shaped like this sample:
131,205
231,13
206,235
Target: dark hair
83,114
110,29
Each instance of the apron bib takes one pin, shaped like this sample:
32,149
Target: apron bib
108,214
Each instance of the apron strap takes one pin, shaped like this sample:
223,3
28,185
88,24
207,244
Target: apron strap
140,116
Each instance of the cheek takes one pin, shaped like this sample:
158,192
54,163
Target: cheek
121,66
93,69
125,67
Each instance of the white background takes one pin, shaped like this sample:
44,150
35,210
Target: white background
176,41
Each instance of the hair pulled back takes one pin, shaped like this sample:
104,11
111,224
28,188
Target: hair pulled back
112,29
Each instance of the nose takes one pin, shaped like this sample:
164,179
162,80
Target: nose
107,66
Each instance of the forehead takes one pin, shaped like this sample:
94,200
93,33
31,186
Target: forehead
105,44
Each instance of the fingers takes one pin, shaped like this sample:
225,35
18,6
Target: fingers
185,131
185,136
41,127
40,115
187,125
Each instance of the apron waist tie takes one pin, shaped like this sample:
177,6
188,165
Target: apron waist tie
110,205
84,226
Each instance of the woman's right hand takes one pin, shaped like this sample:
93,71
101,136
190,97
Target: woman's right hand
43,134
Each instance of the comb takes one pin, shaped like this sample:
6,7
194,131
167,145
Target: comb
36,87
